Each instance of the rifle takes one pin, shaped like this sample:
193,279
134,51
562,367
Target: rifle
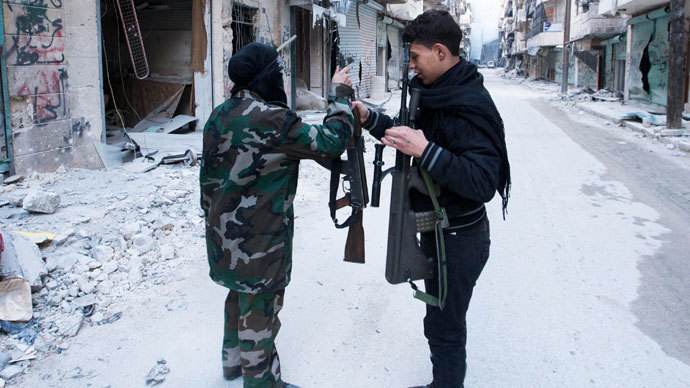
405,260
356,193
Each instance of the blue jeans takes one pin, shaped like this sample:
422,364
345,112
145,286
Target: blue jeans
467,251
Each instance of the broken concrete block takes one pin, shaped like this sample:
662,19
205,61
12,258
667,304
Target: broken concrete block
41,202
27,258
103,253
86,300
15,300
71,325
143,243
672,132
109,268
11,371
130,230
12,179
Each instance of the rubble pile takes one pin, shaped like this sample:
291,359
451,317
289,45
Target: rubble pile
587,94
83,241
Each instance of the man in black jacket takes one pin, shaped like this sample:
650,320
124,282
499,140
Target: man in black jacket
462,145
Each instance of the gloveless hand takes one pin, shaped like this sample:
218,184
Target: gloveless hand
363,110
342,76
406,140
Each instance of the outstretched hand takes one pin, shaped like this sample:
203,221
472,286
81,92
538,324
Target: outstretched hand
363,110
342,76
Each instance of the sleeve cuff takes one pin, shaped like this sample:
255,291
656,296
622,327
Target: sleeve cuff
430,156
341,90
371,121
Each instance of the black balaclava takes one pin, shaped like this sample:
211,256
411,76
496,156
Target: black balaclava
257,67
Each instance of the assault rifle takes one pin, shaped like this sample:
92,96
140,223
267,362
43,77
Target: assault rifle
405,260
356,191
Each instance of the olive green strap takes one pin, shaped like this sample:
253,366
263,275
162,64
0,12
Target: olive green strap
439,301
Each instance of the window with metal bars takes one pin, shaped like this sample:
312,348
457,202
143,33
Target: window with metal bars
242,26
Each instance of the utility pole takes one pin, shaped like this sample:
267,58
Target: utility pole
678,41
566,43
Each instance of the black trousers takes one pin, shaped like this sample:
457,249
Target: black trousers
467,251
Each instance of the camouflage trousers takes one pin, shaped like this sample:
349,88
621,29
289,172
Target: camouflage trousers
251,326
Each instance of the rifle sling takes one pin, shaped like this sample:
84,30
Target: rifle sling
442,269
336,170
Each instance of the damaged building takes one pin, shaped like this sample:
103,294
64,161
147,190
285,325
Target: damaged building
82,79
618,45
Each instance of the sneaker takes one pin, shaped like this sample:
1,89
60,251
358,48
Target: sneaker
424,386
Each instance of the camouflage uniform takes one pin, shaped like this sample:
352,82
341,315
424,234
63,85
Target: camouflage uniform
248,182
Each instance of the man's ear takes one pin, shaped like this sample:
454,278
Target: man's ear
440,51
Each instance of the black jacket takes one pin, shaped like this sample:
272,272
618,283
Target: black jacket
466,154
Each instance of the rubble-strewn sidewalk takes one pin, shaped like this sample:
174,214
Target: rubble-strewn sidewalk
613,111
110,235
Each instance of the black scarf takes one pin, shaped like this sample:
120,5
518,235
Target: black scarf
256,67
460,91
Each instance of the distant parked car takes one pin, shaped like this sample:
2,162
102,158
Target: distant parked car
490,64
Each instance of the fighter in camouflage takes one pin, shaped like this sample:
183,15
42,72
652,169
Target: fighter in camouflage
252,145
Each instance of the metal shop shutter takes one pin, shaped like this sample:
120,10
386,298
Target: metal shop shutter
358,42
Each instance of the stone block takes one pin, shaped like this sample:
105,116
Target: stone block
85,102
36,80
80,42
40,138
46,202
34,21
44,161
84,72
24,50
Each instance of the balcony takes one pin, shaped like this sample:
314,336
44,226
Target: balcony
591,24
633,7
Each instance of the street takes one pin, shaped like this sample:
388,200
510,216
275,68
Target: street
586,285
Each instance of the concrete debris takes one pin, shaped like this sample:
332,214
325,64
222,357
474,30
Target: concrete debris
11,371
167,252
4,360
157,373
86,300
70,325
41,202
22,258
672,132
110,244
12,179
143,243
37,238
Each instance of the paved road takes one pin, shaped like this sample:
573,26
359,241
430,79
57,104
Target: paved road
586,284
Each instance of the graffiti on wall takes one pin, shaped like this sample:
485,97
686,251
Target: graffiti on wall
34,33
47,90
36,36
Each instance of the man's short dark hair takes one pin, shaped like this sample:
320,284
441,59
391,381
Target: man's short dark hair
433,27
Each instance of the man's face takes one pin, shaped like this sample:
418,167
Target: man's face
426,62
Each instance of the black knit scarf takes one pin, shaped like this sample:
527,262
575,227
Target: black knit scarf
460,91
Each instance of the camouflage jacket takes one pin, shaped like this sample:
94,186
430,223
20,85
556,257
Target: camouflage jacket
249,168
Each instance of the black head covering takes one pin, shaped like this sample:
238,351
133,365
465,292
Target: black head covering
257,67
460,90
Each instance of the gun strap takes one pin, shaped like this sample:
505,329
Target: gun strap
336,168
442,268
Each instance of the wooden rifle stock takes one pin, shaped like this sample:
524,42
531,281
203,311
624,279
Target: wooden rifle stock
354,246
